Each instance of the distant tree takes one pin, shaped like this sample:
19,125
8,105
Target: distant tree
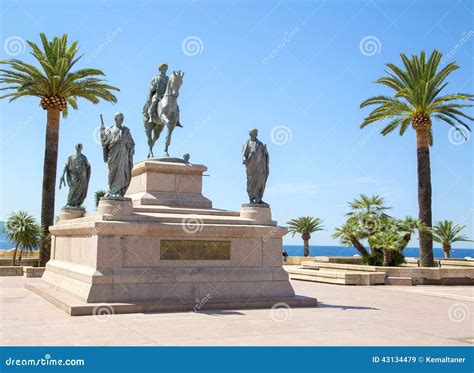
98,195
446,233
23,231
305,226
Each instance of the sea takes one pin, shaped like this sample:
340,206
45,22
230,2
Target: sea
316,250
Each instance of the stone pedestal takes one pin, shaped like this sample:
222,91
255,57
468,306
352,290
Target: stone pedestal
166,249
167,184
261,213
67,213
115,206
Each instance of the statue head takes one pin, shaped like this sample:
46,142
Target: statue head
78,148
163,67
119,119
253,133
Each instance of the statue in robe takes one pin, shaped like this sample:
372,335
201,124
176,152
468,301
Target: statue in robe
119,147
77,173
256,160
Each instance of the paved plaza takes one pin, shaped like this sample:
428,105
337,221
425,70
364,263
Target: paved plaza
346,315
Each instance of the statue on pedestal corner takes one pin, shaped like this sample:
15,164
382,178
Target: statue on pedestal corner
256,160
77,173
119,148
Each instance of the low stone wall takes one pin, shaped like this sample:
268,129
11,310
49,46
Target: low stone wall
11,271
31,262
419,275
33,271
297,260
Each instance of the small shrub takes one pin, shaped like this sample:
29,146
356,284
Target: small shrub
376,259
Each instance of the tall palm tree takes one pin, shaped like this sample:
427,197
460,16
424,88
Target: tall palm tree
23,230
305,226
446,233
416,101
58,87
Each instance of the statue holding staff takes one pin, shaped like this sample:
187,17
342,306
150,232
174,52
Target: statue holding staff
77,171
256,160
119,148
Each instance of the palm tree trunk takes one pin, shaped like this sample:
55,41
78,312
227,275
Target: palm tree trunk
405,240
359,247
424,195
306,247
447,251
14,256
19,257
49,179
386,257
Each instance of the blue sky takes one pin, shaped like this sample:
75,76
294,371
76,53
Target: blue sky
297,71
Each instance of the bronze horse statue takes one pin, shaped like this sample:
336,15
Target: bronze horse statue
167,114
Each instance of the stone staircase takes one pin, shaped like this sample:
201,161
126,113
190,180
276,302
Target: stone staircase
332,273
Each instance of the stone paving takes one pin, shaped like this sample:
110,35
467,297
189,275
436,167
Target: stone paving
375,315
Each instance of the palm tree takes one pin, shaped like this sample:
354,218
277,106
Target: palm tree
388,241
58,87
23,230
349,235
416,101
305,226
406,228
446,233
368,213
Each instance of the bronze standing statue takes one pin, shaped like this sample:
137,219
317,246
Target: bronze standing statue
119,148
256,160
78,173
161,107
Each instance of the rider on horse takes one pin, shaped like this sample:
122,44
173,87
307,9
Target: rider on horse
157,91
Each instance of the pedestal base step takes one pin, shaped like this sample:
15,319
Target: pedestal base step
75,307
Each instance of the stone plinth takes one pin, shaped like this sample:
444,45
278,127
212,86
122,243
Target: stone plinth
67,213
256,212
115,207
167,184
157,255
